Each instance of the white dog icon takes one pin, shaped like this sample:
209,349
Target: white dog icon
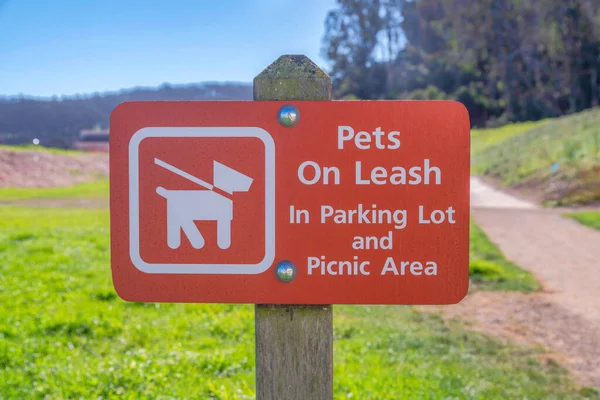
186,206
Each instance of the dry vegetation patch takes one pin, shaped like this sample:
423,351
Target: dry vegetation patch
42,169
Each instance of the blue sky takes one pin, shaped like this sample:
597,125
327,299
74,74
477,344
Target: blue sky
64,47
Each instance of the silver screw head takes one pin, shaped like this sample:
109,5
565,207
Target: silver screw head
288,116
285,271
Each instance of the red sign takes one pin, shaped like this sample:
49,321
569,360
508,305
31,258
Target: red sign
361,202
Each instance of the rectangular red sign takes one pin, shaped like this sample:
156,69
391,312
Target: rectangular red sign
356,202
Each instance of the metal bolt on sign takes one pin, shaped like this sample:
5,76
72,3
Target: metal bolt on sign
288,116
286,271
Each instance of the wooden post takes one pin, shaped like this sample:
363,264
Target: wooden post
294,343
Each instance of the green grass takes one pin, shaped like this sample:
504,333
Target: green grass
82,190
489,270
589,218
482,139
523,156
65,334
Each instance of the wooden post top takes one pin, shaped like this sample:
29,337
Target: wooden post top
292,77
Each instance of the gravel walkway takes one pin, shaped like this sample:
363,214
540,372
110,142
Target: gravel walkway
563,254
565,258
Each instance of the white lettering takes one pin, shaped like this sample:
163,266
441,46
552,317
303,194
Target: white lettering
377,173
327,173
313,262
302,176
299,216
396,175
330,266
403,266
344,138
414,268
386,242
390,266
363,268
363,140
431,268
436,216
451,212
378,133
326,211
428,170
394,138
335,268
415,174
359,180
360,138
373,242
364,215
358,243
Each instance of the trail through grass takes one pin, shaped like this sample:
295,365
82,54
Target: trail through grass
65,334
588,218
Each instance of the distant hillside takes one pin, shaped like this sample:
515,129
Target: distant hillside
57,122
557,160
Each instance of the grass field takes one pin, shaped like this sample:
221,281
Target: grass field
589,218
89,189
557,159
65,334
482,139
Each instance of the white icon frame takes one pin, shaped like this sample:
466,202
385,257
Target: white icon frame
201,132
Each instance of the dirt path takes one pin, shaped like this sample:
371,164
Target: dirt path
484,196
536,320
565,257
563,254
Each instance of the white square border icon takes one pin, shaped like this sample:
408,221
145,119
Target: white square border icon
202,132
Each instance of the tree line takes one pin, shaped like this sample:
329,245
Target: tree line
505,60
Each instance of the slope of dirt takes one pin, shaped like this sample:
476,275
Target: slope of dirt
31,168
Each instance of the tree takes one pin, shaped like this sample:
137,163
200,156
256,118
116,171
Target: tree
359,35
511,60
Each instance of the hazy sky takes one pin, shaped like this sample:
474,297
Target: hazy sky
56,47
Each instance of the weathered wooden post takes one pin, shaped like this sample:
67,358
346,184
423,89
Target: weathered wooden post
294,343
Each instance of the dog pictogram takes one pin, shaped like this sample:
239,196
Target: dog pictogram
186,206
